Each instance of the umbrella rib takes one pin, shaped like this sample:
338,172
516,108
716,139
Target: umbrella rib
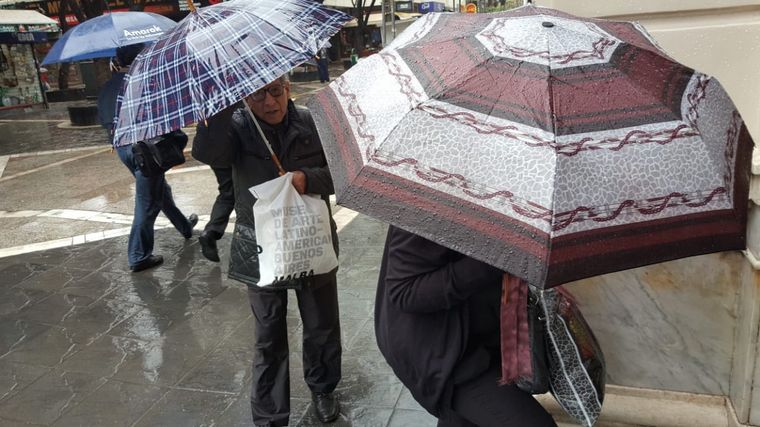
553,119
198,94
235,69
469,76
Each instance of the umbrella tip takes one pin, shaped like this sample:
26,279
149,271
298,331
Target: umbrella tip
547,24
191,5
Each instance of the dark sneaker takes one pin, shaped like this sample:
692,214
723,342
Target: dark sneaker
192,219
208,246
325,406
149,262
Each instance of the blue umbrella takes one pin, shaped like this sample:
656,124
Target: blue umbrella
99,37
215,57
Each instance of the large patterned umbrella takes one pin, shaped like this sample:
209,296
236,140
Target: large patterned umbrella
215,57
551,146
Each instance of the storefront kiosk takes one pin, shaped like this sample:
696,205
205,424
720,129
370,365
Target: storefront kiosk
20,83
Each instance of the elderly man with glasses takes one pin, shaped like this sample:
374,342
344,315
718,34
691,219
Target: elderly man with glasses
293,136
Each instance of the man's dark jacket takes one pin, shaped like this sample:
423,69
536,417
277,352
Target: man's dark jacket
210,134
299,148
107,100
436,316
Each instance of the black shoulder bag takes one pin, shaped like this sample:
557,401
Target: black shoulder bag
157,155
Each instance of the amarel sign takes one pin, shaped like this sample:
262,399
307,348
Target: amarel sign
142,33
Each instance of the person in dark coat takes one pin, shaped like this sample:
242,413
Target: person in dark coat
216,129
437,325
323,61
152,194
293,136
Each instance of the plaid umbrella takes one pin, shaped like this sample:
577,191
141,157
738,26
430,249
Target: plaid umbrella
550,146
216,56
99,37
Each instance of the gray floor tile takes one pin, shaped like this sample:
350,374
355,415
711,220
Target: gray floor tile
95,284
54,279
16,273
187,408
86,324
49,397
351,416
14,377
150,323
406,401
91,260
238,414
105,356
362,389
227,368
114,404
14,300
14,332
140,289
409,418
54,309
162,361
13,423
39,344
364,339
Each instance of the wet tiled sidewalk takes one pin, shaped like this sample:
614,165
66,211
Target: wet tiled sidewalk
84,342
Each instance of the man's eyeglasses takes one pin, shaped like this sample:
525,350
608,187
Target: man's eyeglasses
275,91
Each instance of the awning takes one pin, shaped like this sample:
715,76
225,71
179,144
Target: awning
23,21
376,19
344,3
6,3
349,4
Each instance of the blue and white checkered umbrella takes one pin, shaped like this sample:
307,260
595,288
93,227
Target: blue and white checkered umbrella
215,57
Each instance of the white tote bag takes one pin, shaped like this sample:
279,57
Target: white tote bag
293,232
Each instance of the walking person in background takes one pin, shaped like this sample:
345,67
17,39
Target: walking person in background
213,131
437,324
323,60
294,138
152,194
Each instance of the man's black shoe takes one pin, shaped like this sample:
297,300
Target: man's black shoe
149,262
325,406
192,219
208,246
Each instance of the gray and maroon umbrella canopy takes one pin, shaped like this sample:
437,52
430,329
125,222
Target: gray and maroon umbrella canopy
551,146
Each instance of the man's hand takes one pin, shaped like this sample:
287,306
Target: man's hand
299,181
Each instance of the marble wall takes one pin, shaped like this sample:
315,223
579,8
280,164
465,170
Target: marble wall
669,326
744,374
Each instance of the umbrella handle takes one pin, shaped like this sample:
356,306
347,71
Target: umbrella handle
190,5
277,163
275,159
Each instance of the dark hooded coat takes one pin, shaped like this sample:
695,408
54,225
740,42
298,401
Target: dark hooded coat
436,316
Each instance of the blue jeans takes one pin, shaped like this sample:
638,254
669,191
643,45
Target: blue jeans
152,195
